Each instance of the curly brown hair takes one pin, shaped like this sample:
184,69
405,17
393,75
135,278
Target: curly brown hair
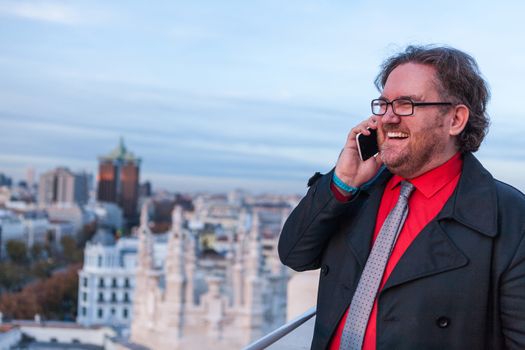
459,81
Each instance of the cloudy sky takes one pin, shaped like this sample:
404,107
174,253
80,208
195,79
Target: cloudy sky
222,94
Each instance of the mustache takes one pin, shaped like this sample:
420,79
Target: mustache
392,127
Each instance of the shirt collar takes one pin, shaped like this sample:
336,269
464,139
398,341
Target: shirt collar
434,180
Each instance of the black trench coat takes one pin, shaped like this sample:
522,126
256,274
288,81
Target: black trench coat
459,285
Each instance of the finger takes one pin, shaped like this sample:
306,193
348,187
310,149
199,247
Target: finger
378,159
373,122
362,128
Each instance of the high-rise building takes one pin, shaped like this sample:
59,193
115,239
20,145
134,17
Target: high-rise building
61,185
118,180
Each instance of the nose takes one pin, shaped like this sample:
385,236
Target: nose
390,118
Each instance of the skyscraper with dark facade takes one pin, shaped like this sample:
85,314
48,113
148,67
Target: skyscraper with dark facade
118,181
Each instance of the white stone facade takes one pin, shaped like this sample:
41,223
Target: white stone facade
106,283
107,279
207,300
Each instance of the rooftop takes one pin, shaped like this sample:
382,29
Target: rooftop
121,153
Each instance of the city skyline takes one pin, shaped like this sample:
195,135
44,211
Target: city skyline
220,96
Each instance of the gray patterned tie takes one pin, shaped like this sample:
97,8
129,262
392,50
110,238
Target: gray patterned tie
365,294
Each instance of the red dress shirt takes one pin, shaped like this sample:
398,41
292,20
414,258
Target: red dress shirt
432,189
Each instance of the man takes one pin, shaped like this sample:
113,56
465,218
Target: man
429,252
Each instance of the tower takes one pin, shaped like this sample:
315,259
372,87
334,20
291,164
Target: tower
118,180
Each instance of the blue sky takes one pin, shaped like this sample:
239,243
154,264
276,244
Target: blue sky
216,95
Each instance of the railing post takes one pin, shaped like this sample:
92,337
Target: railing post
280,332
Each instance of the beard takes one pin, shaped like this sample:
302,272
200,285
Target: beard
408,159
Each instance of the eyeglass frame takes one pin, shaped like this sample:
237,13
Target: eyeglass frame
414,104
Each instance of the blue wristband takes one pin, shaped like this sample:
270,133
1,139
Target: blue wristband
339,183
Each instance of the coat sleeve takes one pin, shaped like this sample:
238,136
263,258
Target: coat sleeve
512,300
310,226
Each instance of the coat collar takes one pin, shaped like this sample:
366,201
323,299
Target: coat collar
474,203
474,194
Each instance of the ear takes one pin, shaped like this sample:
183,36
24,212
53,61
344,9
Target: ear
459,120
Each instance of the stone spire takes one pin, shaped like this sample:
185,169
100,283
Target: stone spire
253,253
145,248
215,307
174,266
145,285
253,299
191,265
175,273
238,266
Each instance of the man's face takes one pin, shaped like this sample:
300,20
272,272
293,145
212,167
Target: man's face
412,145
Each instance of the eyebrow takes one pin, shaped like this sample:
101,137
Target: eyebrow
410,97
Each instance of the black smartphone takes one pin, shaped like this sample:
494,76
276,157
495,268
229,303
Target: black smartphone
367,144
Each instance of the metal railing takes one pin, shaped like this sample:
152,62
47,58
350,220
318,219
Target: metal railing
282,331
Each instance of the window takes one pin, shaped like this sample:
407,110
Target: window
100,261
84,311
101,282
114,283
100,313
113,297
126,297
125,313
85,282
84,296
100,297
112,311
126,283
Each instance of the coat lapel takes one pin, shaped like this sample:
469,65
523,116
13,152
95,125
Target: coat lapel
473,204
430,253
362,230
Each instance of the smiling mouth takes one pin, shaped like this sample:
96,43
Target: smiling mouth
396,135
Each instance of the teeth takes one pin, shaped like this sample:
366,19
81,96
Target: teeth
396,134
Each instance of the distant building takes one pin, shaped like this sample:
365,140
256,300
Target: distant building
77,215
46,335
145,189
31,226
107,279
37,228
61,185
201,299
5,180
107,214
118,180
11,227
30,177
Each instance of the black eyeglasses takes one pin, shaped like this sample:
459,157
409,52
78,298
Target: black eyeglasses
401,106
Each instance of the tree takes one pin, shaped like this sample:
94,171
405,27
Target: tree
53,298
37,251
86,233
71,252
12,276
17,251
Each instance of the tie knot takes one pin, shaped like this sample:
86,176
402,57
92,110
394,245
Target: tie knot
406,189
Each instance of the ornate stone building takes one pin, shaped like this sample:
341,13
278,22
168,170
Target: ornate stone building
202,299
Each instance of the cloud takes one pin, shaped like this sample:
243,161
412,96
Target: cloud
191,33
197,183
507,170
42,11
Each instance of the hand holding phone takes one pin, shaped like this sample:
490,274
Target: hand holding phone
367,144
350,167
